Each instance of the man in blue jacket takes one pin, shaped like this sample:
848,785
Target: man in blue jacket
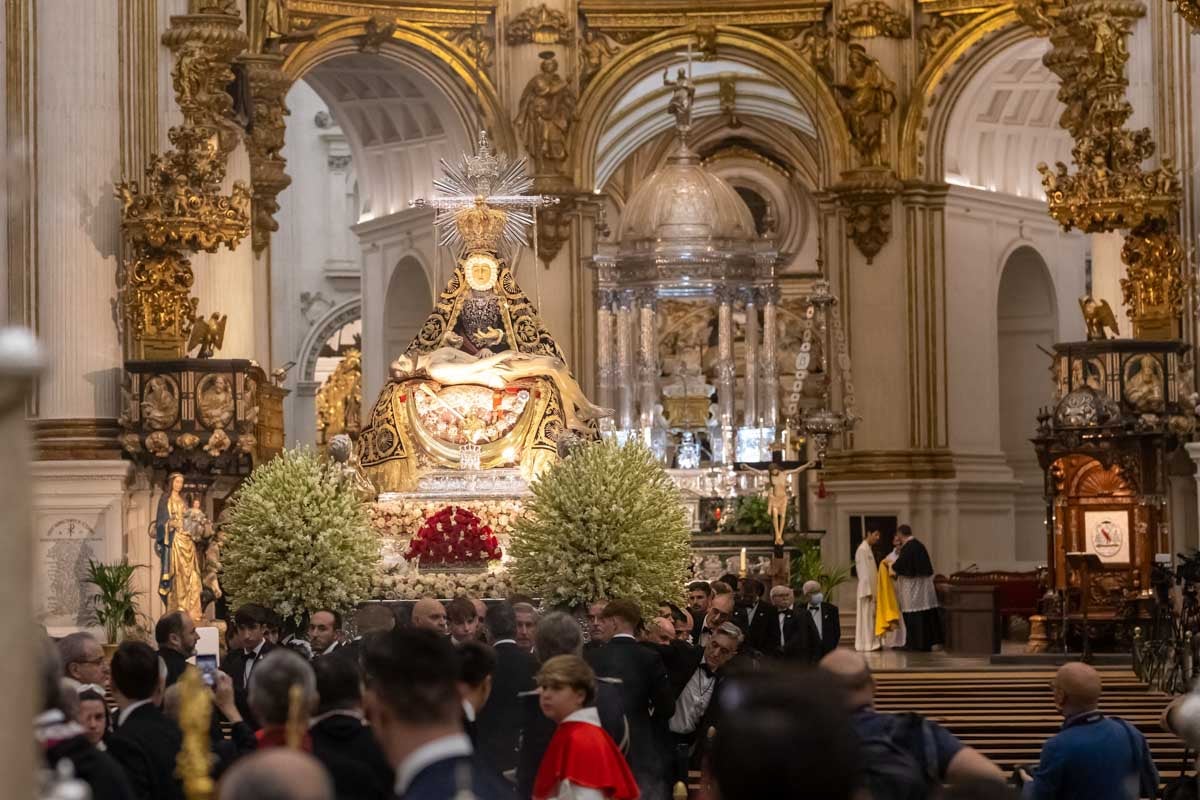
1094,756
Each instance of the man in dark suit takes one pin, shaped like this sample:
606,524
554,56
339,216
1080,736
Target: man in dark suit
497,724
699,594
824,615
648,700
145,743
251,623
415,710
477,669
325,632
754,614
341,741
176,637
793,635
60,738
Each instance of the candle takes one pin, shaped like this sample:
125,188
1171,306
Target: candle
742,570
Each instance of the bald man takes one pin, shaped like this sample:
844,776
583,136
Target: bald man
952,761
1094,756
278,772
430,614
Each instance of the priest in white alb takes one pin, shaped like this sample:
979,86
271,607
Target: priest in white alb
868,576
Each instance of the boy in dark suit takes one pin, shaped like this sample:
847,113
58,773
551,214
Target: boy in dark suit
251,623
415,710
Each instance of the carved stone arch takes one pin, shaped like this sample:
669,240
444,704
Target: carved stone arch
923,127
436,58
334,319
741,45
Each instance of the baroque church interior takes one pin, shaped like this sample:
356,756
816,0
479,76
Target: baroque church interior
933,259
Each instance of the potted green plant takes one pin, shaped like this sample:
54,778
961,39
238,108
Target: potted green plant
114,605
807,566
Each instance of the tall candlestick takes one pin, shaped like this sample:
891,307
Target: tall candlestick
742,568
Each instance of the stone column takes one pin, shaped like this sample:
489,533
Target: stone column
726,370
750,389
606,367
19,644
80,141
1107,271
647,357
625,359
303,425
768,395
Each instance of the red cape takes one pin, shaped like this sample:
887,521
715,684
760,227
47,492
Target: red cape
585,755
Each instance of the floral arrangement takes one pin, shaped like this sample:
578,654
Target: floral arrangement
298,538
454,535
401,519
398,583
605,523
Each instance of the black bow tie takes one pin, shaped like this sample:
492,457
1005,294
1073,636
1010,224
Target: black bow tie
814,608
706,670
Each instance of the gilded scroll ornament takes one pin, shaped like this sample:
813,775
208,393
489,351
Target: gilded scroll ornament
553,230
267,22
204,46
339,400
1108,189
871,18
1189,10
865,196
539,25
268,87
476,43
867,99
544,117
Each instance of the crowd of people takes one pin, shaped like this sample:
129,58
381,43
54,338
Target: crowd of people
464,699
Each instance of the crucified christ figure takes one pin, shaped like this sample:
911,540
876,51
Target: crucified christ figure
777,493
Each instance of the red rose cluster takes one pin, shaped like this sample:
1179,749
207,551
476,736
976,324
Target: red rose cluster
454,535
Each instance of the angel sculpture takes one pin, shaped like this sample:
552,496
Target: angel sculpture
207,334
1098,315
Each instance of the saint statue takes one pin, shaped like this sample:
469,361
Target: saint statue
544,117
179,576
207,541
683,95
215,402
778,493
867,99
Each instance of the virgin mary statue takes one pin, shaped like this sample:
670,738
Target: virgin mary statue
179,576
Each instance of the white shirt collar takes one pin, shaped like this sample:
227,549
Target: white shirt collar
338,712
329,649
452,746
504,641
587,715
623,636
257,650
129,709
468,711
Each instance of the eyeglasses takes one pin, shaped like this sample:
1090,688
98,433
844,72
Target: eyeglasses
95,662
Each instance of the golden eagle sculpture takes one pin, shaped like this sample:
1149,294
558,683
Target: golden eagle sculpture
207,334
1098,315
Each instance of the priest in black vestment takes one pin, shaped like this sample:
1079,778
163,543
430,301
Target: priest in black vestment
916,593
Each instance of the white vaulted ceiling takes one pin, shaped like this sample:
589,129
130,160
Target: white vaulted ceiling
1005,122
398,125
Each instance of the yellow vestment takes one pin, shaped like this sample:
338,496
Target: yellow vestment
887,607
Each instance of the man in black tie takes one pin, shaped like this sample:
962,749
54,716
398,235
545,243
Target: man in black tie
415,711
251,622
176,637
825,617
754,614
648,699
477,668
720,611
699,594
793,635
497,724
145,743
695,689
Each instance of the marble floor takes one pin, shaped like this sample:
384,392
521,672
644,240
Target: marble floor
900,660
